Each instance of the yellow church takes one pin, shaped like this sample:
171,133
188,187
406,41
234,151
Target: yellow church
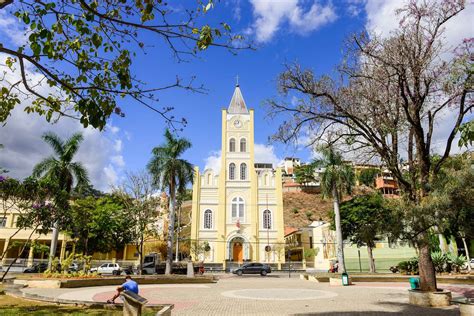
238,210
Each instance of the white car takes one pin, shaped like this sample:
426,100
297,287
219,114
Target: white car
108,268
472,263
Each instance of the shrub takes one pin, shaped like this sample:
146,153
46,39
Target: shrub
439,261
309,215
456,262
409,266
295,211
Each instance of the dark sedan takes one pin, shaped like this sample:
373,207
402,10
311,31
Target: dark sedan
37,268
253,268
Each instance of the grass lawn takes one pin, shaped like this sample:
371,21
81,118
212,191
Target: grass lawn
10,305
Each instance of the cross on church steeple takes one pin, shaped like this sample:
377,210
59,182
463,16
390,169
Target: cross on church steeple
237,81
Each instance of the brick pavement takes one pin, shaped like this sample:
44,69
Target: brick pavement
273,295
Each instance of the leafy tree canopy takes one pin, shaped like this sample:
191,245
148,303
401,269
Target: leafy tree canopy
85,51
364,219
367,176
99,225
305,174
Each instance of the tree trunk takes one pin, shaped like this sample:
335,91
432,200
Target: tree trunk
467,254
177,236
140,256
427,270
371,259
169,250
54,244
339,241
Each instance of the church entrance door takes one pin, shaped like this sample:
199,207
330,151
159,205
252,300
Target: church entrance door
238,252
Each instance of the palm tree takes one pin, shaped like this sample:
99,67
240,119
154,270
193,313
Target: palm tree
60,169
173,174
337,178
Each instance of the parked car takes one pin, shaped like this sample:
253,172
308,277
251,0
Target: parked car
253,268
108,268
37,268
74,267
472,263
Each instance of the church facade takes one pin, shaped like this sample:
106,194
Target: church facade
237,212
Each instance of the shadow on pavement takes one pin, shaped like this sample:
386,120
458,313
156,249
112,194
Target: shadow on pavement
406,309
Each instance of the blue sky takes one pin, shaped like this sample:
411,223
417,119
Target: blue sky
310,32
217,68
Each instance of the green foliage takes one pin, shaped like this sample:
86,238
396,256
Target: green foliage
295,210
467,134
409,266
99,225
338,176
308,253
85,50
456,262
364,219
168,170
305,174
439,260
309,215
367,176
61,169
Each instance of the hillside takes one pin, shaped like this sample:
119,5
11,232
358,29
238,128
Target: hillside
300,208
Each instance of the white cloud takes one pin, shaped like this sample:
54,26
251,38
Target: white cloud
118,161
266,154
381,19
213,161
118,145
100,152
10,28
270,16
263,154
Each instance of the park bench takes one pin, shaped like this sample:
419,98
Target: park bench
132,303
466,306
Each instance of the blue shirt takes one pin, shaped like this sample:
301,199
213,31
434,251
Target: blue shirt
130,285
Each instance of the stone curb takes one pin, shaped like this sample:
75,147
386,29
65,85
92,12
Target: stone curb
15,292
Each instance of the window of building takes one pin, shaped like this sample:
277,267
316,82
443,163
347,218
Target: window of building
267,219
208,219
243,145
209,182
237,208
243,171
3,222
232,171
232,145
310,242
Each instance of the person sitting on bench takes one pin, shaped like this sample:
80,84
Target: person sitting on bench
129,285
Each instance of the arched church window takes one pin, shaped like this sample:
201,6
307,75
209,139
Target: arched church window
243,145
232,171
265,179
243,171
238,208
208,219
232,145
209,179
267,219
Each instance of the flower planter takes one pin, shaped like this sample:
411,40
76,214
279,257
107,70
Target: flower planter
429,299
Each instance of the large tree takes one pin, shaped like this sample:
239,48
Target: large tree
39,204
336,179
364,220
99,224
85,50
62,170
171,173
388,99
142,206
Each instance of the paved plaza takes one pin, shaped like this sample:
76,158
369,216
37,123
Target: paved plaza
272,295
